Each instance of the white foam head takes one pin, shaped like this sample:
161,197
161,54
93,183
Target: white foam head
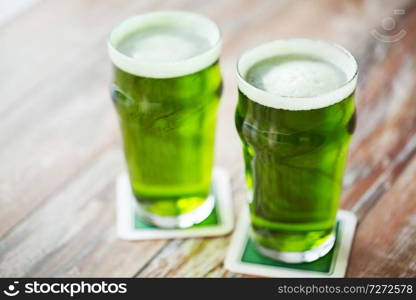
297,74
164,44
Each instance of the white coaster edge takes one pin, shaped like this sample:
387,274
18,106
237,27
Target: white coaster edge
234,253
125,224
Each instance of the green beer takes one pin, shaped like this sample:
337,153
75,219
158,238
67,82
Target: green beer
295,117
166,91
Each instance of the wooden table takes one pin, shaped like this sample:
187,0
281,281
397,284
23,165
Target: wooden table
61,149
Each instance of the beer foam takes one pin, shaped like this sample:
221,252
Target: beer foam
151,45
297,74
164,44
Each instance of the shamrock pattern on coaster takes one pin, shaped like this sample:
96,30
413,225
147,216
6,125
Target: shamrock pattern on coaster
131,227
242,257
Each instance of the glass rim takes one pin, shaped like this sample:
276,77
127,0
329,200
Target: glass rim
164,69
287,102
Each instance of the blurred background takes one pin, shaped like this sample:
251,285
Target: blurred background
60,147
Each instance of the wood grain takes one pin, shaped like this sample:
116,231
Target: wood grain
385,243
43,132
393,122
60,149
73,233
384,142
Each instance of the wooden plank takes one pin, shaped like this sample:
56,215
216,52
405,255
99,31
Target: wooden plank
73,234
66,121
184,254
58,35
187,258
220,272
54,144
69,130
385,244
272,25
57,139
383,145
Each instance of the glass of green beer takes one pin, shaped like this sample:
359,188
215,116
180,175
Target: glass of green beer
295,117
166,90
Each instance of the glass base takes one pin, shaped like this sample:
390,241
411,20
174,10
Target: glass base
181,221
298,257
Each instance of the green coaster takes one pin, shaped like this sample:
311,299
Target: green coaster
131,227
242,256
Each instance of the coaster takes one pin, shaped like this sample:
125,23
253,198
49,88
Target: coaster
242,257
131,227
